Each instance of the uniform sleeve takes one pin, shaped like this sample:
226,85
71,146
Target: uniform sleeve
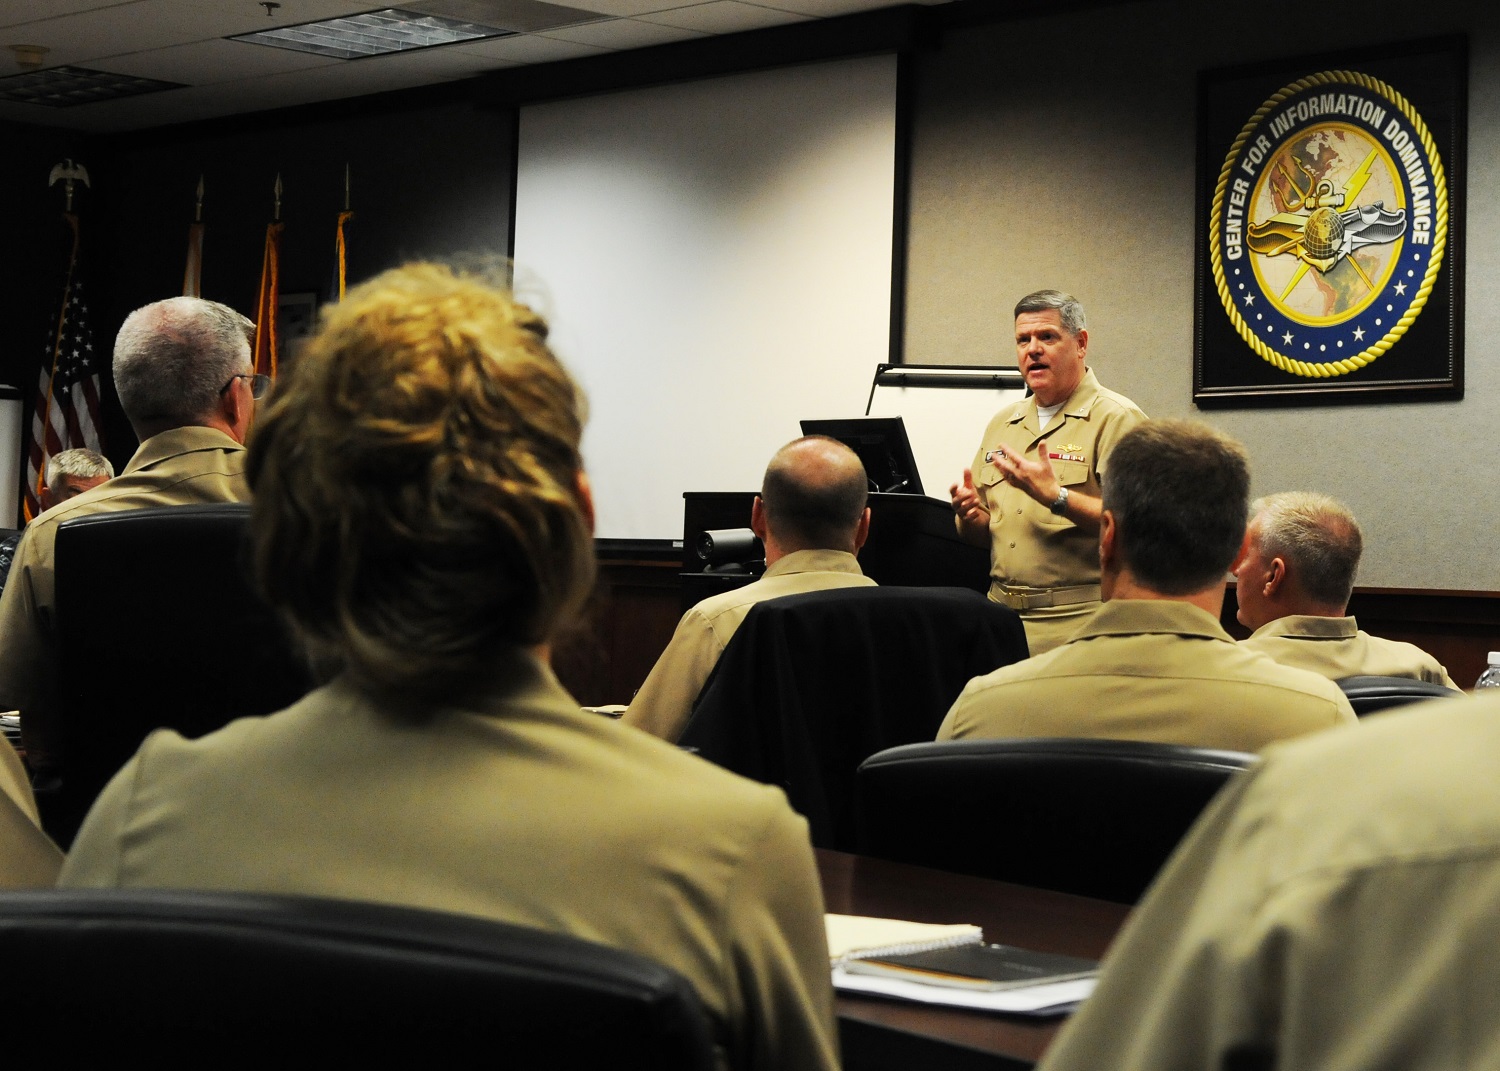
1116,424
1183,984
665,700
779,954
28,858
955,721
27,656
94,860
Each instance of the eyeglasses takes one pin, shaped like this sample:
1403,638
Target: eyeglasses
259,384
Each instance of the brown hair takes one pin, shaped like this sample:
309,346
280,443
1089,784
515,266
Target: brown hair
1179,492
416,481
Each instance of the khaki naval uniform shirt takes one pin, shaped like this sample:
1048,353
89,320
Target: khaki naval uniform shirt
1155,670
180,467
515,805
665,700
1032,550
1337,906
28,858
1336,647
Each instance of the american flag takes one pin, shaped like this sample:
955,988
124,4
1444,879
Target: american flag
66,414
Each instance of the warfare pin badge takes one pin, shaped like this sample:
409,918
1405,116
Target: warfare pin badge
1329,224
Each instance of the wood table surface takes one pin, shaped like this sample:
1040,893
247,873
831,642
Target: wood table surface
879,1034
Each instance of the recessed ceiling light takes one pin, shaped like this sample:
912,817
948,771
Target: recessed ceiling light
67,87
372,34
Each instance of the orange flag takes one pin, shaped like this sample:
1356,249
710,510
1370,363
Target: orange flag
266,302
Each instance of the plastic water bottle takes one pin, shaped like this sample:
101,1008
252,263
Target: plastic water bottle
1490,678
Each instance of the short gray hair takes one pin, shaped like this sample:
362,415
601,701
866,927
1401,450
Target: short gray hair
1180,493
85,464
1317,536
173,357
1069,308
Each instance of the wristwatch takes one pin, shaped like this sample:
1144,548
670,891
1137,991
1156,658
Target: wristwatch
1061,505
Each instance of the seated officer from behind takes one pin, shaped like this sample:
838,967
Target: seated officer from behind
183,372
1338,906
1154,663
67,474
811,517
1293,584
422,521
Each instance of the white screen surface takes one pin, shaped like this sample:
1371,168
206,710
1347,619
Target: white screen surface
944,424
714,259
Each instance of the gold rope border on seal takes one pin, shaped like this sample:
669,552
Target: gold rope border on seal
1326,369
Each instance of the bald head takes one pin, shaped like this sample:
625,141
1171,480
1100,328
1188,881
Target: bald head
813,497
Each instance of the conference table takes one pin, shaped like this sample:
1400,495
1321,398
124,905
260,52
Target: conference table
878,1034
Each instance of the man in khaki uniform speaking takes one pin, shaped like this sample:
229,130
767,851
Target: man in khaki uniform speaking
1302,551
1154,663
812,518
1032,493
182,371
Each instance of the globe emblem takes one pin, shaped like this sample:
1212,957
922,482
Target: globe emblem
1323,234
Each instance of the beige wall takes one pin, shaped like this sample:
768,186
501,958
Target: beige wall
1061,152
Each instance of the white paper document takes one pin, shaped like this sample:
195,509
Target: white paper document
1052,998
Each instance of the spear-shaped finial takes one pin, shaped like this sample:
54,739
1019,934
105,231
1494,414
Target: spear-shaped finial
276,214
198,210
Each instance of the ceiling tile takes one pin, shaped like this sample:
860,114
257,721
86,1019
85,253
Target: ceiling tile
724,16
623,33
528,49
206,62
629,9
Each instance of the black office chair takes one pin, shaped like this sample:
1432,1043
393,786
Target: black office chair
811,684
1371,694
1092,817
159,627
99,977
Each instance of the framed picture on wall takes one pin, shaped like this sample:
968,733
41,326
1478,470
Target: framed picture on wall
1330,234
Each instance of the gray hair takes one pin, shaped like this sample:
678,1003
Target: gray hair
173,358
85,464
1317,536
1179,492
1069,308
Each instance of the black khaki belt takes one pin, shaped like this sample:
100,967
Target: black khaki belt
1041,598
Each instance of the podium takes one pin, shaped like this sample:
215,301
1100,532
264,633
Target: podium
912,542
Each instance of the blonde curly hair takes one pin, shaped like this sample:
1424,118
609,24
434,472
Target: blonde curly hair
417,484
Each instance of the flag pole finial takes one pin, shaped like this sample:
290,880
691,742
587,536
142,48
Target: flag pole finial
68,173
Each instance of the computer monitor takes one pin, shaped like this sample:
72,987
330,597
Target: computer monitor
881,444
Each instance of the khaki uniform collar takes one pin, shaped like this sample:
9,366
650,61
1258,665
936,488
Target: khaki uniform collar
515,678
815,561
1131,617
175,443
1078,404
1309,627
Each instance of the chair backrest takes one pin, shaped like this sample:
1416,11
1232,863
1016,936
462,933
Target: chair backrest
1092,817
812,684
161,629
1370,694
209,979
